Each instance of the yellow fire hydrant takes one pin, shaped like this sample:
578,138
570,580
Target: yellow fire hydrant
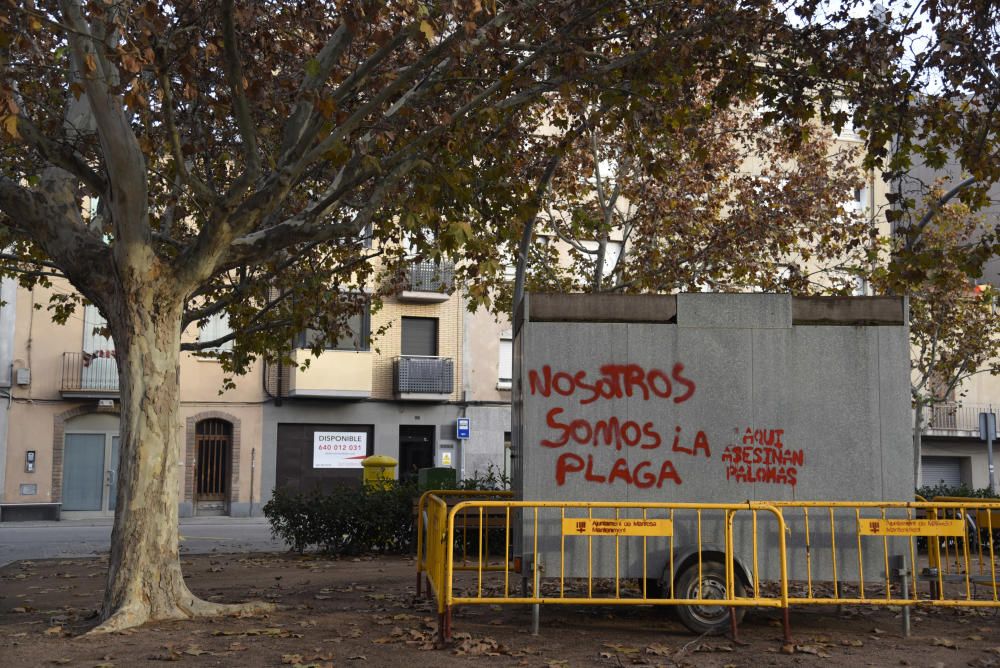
380,471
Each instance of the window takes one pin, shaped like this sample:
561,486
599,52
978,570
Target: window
216,327
848,130
505,363
859,201
420,337
612,252
354,335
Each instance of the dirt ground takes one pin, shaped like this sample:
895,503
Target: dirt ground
362,612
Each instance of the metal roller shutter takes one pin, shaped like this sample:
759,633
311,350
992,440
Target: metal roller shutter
941,470
420,336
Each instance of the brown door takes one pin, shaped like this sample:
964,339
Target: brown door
213,444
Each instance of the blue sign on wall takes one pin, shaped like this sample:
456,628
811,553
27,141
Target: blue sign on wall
464,427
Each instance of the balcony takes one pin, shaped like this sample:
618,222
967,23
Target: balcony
89,376
429,282
336,374
956,420
417,378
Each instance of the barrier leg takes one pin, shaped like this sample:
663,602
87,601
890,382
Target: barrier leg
419,582
734,630
787,624
900,573
427,587
906,608
444,626
536,611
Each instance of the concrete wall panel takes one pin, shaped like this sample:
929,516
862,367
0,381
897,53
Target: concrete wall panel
730,403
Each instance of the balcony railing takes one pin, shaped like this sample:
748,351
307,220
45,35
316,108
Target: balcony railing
432,277
86,374
957,420
425,377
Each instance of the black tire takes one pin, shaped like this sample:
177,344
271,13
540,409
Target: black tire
706,619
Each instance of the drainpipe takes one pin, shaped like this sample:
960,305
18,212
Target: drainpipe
253,468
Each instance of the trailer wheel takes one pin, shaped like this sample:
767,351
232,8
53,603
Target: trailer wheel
704,618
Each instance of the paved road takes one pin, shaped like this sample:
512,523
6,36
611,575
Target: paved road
87,538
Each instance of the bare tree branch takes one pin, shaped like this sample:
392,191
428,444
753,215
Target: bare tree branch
234,73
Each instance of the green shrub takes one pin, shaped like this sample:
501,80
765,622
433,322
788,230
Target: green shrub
348,520
930,491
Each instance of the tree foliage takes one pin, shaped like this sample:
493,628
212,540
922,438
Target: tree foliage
721,201
953,325
175,161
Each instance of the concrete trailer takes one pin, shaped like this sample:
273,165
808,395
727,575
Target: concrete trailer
708,398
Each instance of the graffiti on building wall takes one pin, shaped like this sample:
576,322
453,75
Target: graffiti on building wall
617,381
760,457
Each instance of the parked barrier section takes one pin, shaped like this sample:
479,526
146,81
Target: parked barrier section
468,524
712,560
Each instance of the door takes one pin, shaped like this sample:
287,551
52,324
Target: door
416,450
90,476
213,448
100,367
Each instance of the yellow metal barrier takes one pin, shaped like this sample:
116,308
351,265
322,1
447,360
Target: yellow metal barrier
704,579
449,497
713,560
913,535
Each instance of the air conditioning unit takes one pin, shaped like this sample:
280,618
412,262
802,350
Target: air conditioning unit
23,376
106,403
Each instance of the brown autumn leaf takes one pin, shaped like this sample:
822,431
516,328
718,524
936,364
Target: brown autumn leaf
622,648
852,643
53,631
815,650
170,654
658,650
944,642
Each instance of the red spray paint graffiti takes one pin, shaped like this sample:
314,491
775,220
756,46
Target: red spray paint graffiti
617,381
763,458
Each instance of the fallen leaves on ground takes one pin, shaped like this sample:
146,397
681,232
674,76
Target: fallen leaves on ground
272,632
944,642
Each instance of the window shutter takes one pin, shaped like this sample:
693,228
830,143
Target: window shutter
420,336
505,365
941,470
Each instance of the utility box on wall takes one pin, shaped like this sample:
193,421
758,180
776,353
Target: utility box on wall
718,398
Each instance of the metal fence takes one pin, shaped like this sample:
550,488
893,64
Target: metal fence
423,375
94,372
711,560
955,418
432,277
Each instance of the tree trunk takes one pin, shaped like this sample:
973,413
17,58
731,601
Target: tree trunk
144,575
918,429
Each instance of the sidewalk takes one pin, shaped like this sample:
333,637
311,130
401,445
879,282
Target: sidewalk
88,538
109,521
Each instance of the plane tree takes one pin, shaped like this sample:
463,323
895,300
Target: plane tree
266,161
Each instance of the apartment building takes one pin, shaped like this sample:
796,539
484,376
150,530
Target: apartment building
952,451
430,362
59,447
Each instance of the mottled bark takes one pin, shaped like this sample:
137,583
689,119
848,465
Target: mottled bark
144,576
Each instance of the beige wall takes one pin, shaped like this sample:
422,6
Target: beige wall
34,422
483,347
389,344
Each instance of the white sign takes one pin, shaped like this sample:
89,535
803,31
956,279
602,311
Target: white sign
339,449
